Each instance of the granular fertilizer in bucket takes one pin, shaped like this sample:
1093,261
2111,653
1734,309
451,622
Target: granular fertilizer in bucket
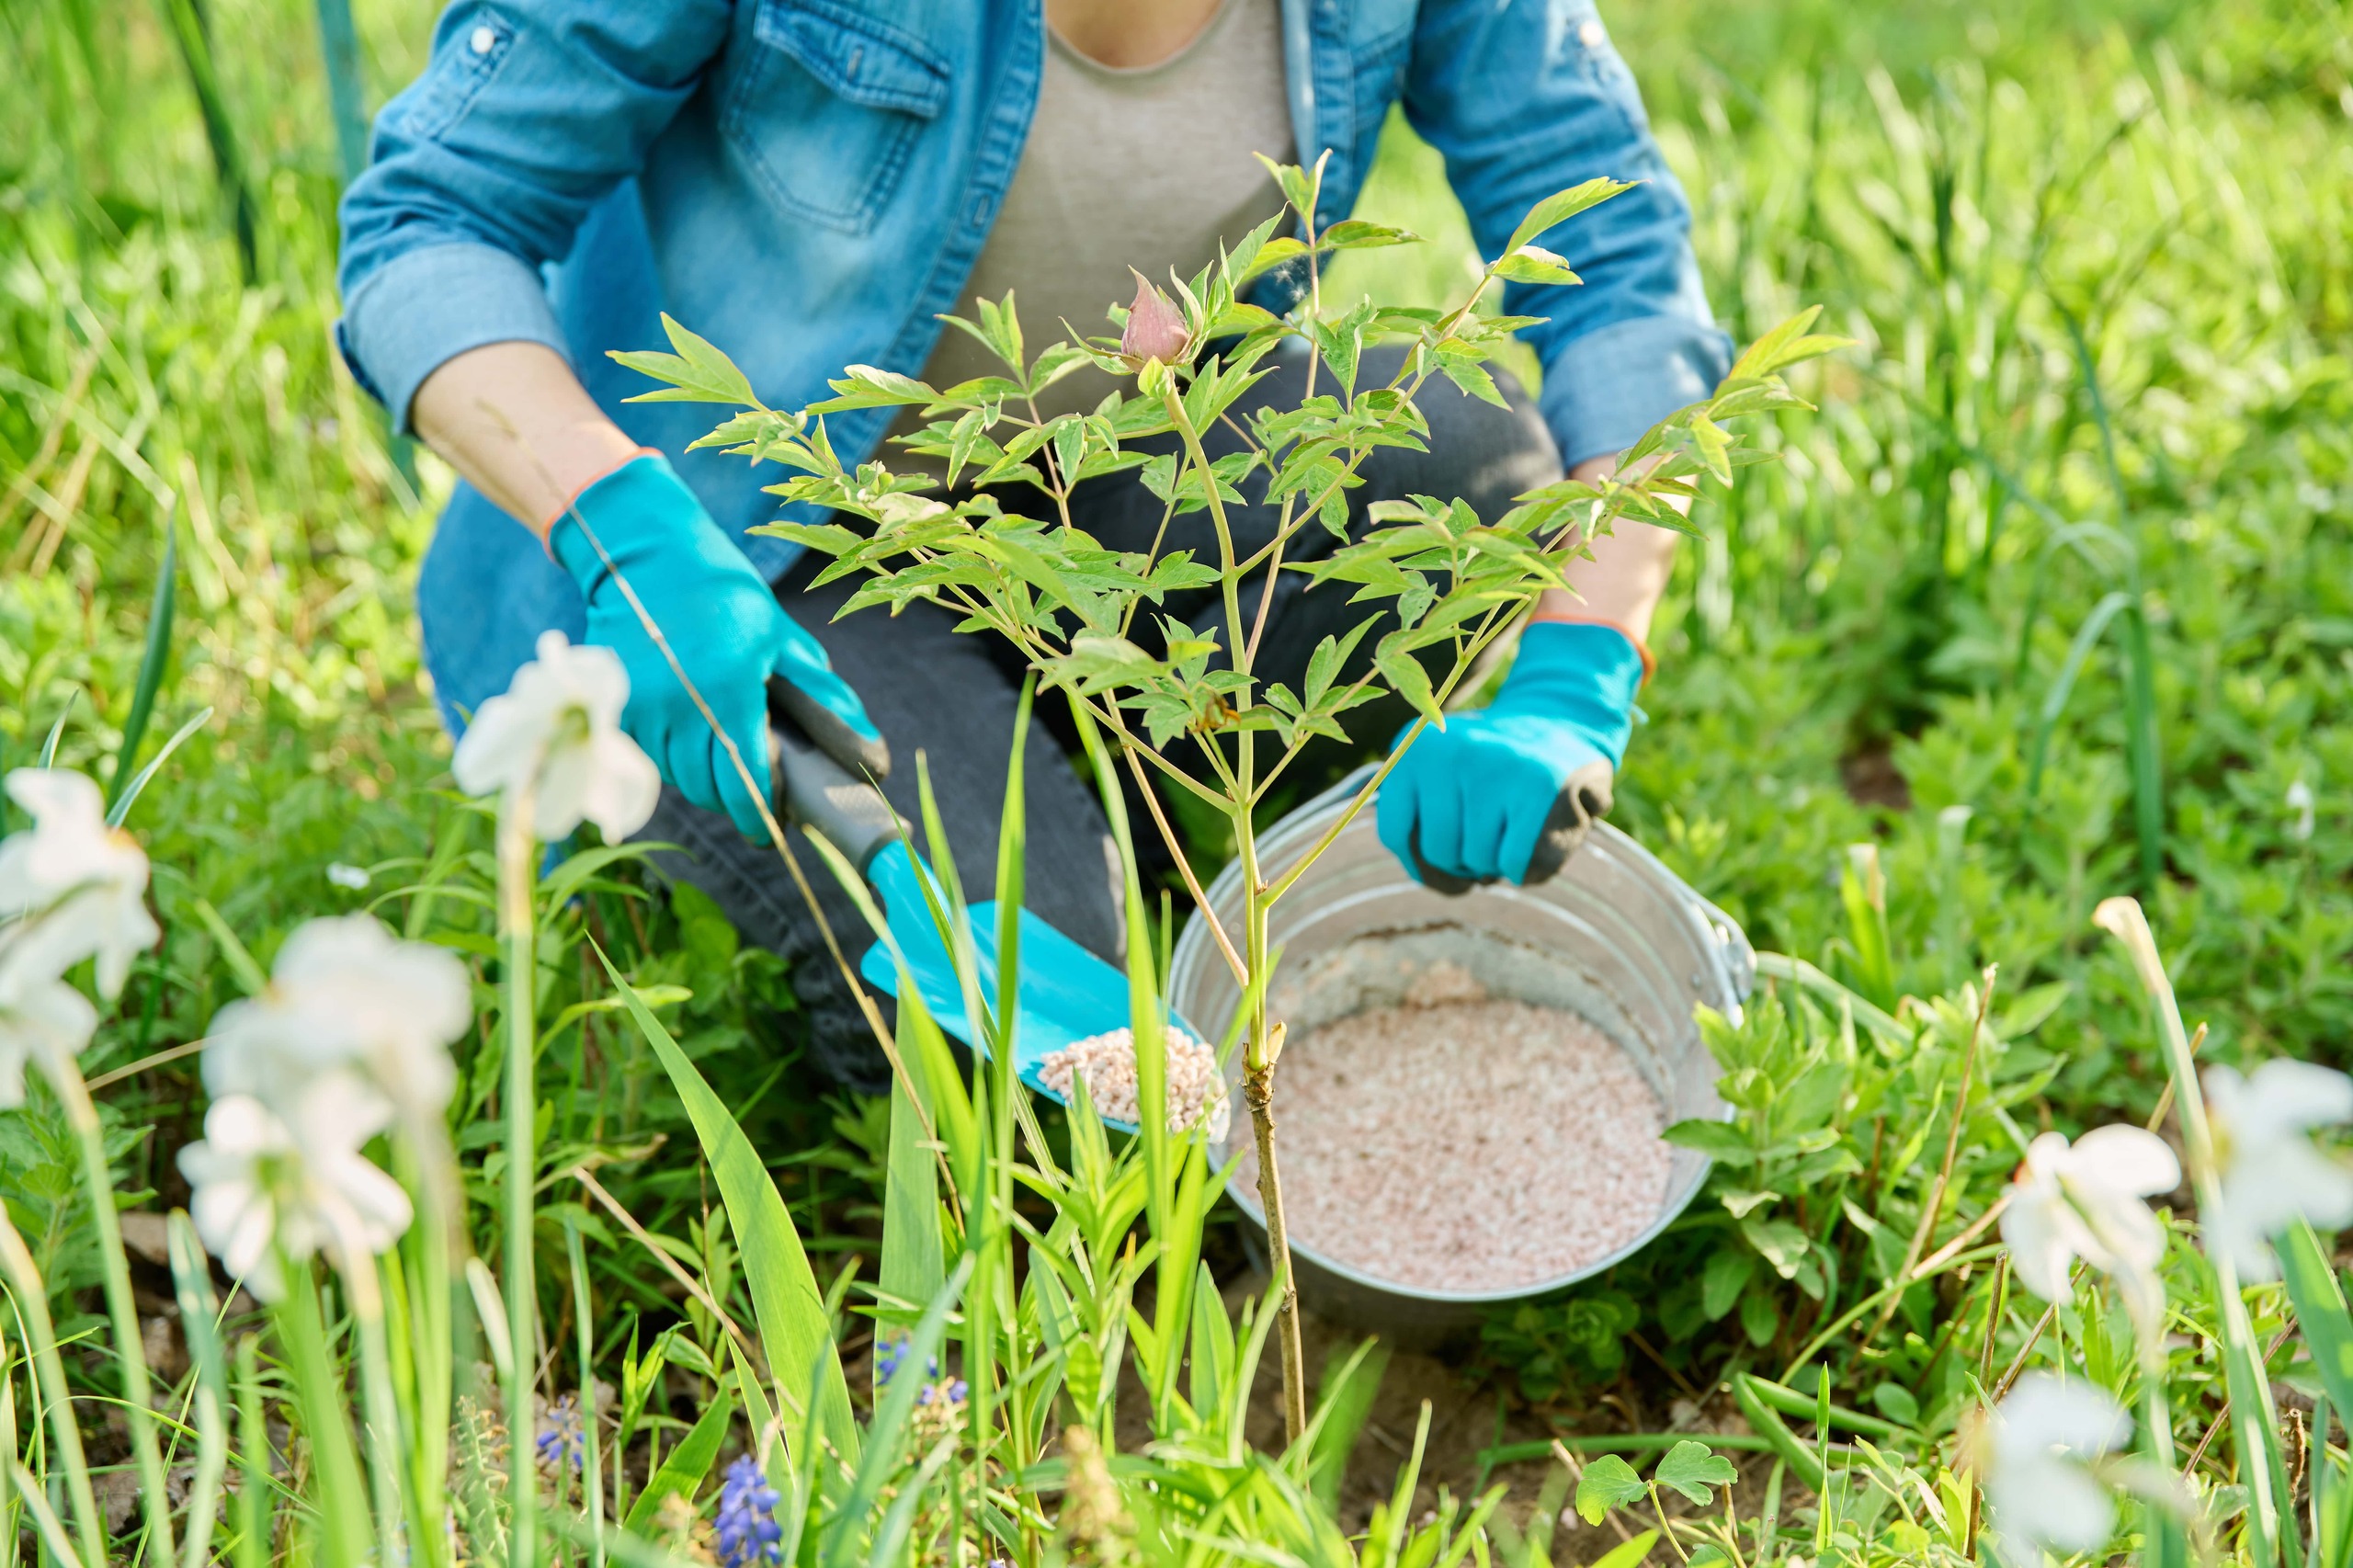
1461,1143
1107,1063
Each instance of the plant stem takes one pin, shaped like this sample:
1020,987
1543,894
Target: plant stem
2254,1415
436,1243
516,878
1666,1531
1927,1228
32,1301
253,1460
1230,579
318,1379
1258,1093
381,1409
82,1114
592,1477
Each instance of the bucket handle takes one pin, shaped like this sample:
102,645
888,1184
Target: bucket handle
1736,958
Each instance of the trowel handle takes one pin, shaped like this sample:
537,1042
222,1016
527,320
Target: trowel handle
822,795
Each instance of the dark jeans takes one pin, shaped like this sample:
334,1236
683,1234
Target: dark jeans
949,698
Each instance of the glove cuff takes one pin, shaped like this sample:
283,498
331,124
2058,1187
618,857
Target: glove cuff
1585,673
1650,662
607,499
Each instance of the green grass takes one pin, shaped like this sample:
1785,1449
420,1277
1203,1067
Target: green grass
1866,649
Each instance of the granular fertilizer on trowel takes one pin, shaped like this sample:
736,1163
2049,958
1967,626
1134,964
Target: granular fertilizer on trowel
1108,1063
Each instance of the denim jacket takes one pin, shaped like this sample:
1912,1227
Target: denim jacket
808,182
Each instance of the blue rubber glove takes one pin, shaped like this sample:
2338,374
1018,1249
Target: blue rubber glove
726,628
1509,791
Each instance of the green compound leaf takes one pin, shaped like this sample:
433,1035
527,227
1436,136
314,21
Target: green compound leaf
1562,206
1534,264
1609,1483
1691,1469
698,372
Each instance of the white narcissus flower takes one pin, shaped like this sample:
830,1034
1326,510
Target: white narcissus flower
2089,1201
2301,802
40,1023
2033,1457
71,887
266,1187
2272,1175
345,992
556,731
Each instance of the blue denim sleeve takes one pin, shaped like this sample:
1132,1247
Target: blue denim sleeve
528,112
1527,97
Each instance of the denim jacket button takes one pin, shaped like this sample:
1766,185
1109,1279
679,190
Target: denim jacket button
1591,33
484,39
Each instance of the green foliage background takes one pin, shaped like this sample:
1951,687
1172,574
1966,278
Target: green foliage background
1869,641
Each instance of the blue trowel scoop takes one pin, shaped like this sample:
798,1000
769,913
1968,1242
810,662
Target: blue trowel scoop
1066,993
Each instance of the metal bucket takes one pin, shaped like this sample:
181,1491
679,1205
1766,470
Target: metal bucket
1615,938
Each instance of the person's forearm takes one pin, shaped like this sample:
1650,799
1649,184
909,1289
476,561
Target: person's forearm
1627,575
516,423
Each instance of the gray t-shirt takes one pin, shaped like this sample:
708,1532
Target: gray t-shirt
1105,182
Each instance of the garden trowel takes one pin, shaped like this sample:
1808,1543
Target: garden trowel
1066,993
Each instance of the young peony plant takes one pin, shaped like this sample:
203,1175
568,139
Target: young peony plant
1187,709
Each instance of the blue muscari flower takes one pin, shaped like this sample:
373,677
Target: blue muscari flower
561,1439
891,1352
746,1531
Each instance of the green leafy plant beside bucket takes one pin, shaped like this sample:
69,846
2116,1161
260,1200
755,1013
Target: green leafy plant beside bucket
1180,708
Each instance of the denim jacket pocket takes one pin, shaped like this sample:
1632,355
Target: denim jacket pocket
828,105
477,42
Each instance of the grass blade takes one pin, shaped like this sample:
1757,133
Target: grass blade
122,808
885,1438
2320,1308
592,1477
687,1465
233,952
335,1489
193,38
795,1333
57,731
1804,1462
914,1258
2143,751
24,1282
199,1325
2054,702
1350,1383
161,612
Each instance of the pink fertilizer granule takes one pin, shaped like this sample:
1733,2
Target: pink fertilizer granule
1464,1144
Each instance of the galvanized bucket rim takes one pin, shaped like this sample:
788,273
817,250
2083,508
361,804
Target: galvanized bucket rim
1732,960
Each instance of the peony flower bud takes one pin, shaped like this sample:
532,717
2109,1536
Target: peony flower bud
1155,326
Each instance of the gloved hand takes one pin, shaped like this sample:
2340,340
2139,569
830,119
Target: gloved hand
1510,789
726,628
